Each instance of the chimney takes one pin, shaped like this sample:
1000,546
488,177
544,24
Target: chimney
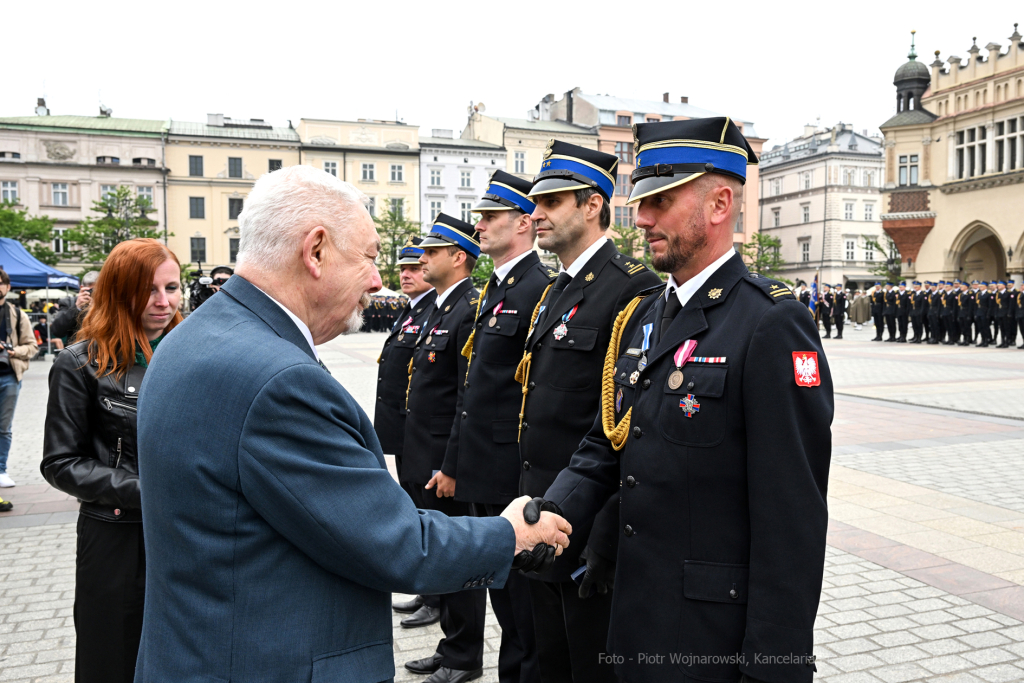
41,109
568,106
441,133
664,98
684,99
215,120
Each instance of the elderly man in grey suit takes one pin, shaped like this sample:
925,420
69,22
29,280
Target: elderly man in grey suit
274,533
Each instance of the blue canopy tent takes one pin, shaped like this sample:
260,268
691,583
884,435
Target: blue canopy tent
28,272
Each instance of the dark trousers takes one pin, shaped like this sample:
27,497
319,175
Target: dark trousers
1020,323
890,324
838,320
1011,326
901,320
934,329
949,328
965,331
927,322
994,323
826,321
110,588
462,613
916,322
983,330
878,325
517,658
571,633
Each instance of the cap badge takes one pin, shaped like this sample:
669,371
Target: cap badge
714,294
547,150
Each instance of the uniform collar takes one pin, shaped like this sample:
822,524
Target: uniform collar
501,273
686,290
448,292
582,259
413,302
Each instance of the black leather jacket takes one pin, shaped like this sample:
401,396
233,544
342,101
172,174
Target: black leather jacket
89,444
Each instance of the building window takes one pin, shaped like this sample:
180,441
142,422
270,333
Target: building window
807,181
869,178
371,206
109,161
10,155
624,216
107,192
9,191
805,252
60,194
369,173
233,249
398,208
622,184
776,218
806,211
435,208
234,207
776,186
739,224
869,211
625,120
849,176
196,208
869,254
466,209
435,177
465,179
59,245
331,167
145,194
397,173
198,245
143,161
851,250
195,166
234,167
848,211
520,162
624,150
273,165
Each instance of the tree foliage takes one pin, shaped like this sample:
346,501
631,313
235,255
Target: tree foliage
762,256
395,231
123,217
483,270
34,232
632,243
887,264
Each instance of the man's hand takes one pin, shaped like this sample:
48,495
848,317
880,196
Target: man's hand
599,576
83,299
445,484
548,528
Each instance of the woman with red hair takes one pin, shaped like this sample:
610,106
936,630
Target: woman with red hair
89,449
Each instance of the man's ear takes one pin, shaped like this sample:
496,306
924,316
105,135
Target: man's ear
314,250
594,204
524,223
720,202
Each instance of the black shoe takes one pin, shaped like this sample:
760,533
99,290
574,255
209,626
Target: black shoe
6,505
877,339
408,607
424,616
425,666
839,337
1021,346
446,675
889,340
901,341
828,336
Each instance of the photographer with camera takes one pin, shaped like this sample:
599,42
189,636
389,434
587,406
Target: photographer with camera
203,287
73,308
18,348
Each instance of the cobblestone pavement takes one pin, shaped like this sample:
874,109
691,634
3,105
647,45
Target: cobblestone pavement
924,576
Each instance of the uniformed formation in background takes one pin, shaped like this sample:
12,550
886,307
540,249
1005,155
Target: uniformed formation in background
945,312
381,314
483,396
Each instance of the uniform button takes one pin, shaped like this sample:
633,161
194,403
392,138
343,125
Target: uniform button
531,386
526,426
479,325
733,594
468,584
380,379
526,465
379,398
647,384
490,581
117,512
690,385
497,327
463,414
572,342
628,530
630,482
637,433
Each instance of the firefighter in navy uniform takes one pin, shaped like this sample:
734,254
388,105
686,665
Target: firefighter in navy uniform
839,312
1011,314
484,465
877,308
392,382
949,313
902,311
436,382
982,305
715,431
918,304
827,303
1019,314
889,313
935,326
965,307
561,377
1001,312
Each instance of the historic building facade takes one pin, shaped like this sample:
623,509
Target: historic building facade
821,196
612,118
58,166
954,153
454,174
211,168
381,158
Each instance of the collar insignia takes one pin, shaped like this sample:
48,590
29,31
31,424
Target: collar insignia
511,280
449,305
715,293
589,277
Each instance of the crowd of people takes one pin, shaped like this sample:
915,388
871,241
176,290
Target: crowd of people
382,313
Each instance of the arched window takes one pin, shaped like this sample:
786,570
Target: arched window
910,101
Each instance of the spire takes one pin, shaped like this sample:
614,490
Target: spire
913,54
1016,35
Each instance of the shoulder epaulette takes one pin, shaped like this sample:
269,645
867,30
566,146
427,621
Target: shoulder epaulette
652,290
631,266
549,272
773,289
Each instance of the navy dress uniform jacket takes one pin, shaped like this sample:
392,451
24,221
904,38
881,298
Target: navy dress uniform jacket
393,376
485,457
564,384
437,382
723,514
274,532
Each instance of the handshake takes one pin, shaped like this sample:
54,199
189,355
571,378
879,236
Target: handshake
541,532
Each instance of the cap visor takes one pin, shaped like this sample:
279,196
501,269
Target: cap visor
551,185
408,261
431,241
488,205
645,187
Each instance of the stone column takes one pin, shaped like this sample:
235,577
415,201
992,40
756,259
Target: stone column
890,164
951,161
990,148
926,161
1020,149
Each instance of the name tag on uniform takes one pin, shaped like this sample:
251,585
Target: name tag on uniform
633,352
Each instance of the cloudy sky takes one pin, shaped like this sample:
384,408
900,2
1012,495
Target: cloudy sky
780,64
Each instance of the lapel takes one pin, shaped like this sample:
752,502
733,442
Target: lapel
516,276
437,317
253,298
421,305
575,291
691,320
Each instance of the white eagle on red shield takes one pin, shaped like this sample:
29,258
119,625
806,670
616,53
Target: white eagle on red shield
805,368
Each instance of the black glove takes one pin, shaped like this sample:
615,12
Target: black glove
532,510
600,574
540,558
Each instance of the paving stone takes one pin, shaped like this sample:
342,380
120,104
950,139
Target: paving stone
1001,673
853,646
992,655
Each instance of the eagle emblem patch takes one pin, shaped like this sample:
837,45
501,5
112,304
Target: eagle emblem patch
805,368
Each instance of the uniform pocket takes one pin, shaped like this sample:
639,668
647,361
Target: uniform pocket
715,581
711,633
695,414
577,339
436,343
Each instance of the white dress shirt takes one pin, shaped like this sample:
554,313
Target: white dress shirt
582,259
500,273
413,302
686,290
441,297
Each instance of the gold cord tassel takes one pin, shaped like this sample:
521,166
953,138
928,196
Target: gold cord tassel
616,433
523,370
408,388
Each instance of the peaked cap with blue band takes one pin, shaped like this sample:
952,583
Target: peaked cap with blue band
449,232
670,153
506,192
571,167
411,252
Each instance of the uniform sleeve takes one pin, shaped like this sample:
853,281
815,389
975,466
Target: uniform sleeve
450,465
789,445
305,467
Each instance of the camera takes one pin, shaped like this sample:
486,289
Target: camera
202,287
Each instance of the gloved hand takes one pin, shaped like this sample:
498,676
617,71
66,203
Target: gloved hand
540,558
599,576
532,510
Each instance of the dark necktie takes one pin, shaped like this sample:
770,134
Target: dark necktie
672,306
561,283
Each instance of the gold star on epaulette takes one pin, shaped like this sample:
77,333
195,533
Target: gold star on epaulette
715,293
589,277
472,302
552,273
511,280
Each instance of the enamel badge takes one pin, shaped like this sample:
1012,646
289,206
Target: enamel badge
432,356
618,401
689,405
805,368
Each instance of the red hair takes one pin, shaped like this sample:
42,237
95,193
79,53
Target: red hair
113,324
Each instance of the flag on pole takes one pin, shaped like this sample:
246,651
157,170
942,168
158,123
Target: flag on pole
814,296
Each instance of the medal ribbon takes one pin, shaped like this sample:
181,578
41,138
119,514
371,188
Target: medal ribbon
497,309
648,328
568,316
682,354
406,323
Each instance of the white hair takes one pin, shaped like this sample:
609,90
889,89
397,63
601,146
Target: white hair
288,202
